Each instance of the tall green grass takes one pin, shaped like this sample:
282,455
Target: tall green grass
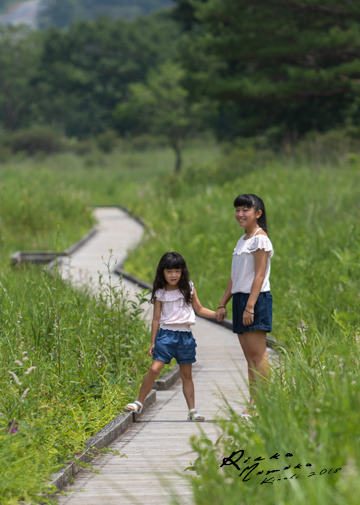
69,363
313,218
40,196
310,409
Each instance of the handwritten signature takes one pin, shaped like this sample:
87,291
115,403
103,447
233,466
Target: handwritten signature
254,468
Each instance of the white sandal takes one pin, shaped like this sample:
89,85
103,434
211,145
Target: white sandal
250,414
194,416
135,407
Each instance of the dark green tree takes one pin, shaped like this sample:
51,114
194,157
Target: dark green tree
85,71
161,107
19,58
184,13
290,64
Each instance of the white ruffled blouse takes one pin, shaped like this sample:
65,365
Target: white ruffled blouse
243,263
176,314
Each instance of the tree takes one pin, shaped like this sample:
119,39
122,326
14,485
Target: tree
184,13
161,107
19,57
294,64
85,71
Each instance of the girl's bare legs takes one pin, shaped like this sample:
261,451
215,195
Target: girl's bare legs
149,379
253,344
188,388
188,385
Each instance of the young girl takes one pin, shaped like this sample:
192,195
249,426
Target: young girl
249,286
175,300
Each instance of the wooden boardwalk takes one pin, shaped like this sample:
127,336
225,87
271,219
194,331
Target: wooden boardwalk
156,449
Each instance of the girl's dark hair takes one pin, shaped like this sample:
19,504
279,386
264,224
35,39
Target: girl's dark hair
250,200
169,261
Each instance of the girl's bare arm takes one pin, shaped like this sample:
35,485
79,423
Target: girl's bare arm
221,310
199,309
155,324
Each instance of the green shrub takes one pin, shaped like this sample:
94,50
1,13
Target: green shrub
82,147
144,142
5,152
37,139
107,141
330,147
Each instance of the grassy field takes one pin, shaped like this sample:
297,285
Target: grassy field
313,217
68,363
310,407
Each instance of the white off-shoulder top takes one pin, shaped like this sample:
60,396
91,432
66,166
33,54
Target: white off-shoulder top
176,314
243,263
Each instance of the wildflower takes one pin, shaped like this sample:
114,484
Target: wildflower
19,317
12,426
25,393
18,362
16,378
303,327
25,358
24,352
30,369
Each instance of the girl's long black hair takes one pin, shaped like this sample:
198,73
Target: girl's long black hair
250,200
169,261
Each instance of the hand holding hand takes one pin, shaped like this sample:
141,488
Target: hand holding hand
221,314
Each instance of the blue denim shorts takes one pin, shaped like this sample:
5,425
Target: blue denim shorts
171,344
262,313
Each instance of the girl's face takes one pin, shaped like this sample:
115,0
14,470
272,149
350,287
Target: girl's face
172,277
247,217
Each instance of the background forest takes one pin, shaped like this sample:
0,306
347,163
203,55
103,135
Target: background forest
171,109
276,70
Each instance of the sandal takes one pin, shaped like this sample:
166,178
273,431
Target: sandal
194,416
247,414
135,407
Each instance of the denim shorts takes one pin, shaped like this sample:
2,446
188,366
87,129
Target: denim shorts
171,344
262,312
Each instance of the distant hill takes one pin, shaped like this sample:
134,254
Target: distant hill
61,13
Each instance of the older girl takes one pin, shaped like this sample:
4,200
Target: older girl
249,286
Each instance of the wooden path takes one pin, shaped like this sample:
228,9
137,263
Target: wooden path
156,449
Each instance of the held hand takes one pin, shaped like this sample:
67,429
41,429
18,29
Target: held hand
221,314
151,350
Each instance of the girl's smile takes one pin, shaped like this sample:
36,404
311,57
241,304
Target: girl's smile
247,218
172,277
